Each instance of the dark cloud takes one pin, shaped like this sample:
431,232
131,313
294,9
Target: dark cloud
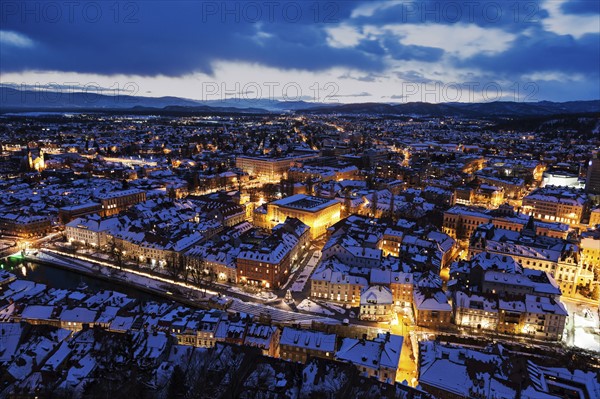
543,52
414,77
512,16
361,94
399,51
176,38
581,7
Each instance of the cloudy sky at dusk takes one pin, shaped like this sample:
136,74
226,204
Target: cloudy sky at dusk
345,51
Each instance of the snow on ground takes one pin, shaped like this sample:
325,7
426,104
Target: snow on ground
262,295
300,282
587,333
5,244
335,307
582,328
309,306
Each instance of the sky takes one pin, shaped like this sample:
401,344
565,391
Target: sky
327,51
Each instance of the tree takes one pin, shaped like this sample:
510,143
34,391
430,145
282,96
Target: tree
115,248
177,385
174,265
374,203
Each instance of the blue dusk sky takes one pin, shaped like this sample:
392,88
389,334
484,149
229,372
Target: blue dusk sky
328,51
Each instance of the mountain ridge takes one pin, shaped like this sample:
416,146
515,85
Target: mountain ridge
13,100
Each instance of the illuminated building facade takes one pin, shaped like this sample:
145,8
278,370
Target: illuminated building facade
317,213
556,205
117,201
271,169
268,263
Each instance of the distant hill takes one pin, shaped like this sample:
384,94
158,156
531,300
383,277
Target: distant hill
13,100
491,109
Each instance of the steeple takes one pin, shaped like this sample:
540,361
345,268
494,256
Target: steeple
529,229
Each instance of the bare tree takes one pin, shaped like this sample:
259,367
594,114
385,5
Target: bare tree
115,251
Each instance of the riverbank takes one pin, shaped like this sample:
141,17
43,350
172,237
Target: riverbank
112,279
165,287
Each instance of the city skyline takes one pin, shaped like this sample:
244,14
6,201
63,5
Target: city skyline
300,199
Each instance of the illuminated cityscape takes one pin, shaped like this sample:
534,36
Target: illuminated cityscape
198,231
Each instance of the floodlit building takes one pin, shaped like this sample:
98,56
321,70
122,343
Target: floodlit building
92,231
376,303
271,169
332,281
475,311
317,213
558,257
556,204
431,308
268,264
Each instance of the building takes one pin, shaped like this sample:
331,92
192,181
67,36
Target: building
376,303
231,331
392,240
594,217
268,264
452,371
332,281
556,204
269,169
592,181
513,186
544,318
213,262
560,258
199,330
317,213
590,249
530,281
298,345
264,337
321,173
378,358
77,318
117,201
228,214
68,213
24,226
431,308
92,231
493,274
400,284
475,311
561,178
460,222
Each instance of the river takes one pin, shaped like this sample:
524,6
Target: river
65,279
